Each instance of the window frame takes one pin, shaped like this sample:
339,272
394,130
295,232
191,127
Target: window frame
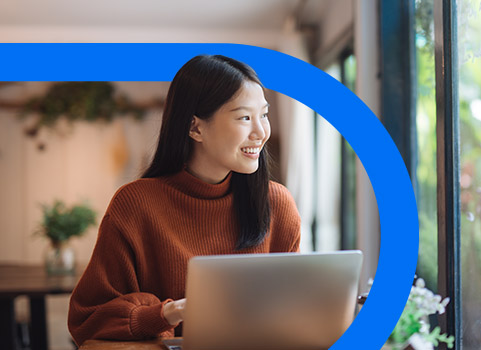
448,167
398,86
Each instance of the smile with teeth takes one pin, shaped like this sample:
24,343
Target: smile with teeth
251,150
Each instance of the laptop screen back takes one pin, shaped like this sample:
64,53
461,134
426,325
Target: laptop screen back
270,301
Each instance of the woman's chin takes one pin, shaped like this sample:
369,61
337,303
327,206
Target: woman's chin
247,170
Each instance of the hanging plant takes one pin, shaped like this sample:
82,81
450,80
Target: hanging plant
90,101
74,101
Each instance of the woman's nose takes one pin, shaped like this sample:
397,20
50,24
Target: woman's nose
258,131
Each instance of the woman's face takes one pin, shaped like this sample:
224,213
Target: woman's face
231,140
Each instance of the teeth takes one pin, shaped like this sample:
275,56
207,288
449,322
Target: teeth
251,150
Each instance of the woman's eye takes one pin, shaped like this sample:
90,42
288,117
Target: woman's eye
265,115
246,117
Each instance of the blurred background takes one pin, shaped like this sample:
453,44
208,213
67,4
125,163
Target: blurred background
384,51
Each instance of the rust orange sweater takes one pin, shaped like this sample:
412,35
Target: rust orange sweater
151,229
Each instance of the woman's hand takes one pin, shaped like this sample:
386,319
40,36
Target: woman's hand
174,311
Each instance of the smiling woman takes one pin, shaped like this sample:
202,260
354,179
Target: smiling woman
206,192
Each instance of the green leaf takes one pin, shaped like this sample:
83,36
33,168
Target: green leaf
60,223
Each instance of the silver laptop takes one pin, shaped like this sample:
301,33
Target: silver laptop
269,301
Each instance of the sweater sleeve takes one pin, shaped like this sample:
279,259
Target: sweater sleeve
107,302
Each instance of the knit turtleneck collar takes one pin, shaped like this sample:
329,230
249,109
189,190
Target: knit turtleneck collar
195,187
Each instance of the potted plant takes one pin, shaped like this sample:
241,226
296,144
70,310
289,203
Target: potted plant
413,329
59,224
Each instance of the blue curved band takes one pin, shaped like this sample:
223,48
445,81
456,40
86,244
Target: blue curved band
294,78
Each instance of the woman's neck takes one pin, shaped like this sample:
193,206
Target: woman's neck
203,174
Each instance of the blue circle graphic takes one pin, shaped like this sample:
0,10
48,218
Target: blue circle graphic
294,78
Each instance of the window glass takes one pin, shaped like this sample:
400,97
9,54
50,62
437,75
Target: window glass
344,70
349,78
426,140
348,171
328,171
469,58
334,70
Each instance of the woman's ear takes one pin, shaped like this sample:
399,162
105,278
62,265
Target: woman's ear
195,129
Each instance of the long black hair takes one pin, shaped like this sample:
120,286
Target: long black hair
200,88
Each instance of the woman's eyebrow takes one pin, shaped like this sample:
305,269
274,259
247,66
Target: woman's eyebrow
247,108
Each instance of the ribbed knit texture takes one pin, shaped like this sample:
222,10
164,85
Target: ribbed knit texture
151,229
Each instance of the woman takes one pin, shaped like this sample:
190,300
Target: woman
206,192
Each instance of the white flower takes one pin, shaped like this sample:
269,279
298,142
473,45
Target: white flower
424,327
418,343
420,283
442,305
445,302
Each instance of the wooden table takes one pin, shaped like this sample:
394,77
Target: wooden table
154,344
33,282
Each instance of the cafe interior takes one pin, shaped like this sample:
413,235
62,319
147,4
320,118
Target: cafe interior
416,64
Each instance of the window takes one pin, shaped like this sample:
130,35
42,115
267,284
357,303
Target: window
348,164
344,70
447,87
450,247
469,58
426,141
